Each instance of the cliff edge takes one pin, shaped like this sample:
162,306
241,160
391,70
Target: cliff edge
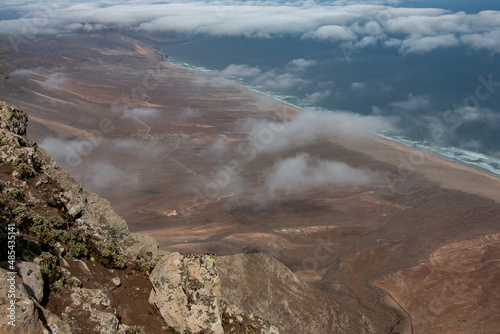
71,265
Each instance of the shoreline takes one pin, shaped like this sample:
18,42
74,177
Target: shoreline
298,109
432,167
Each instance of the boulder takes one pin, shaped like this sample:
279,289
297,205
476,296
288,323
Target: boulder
27,311
97,306
13,119
31,275
186,291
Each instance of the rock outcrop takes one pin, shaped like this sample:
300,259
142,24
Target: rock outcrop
93,215
24,311
261,285
186,290
57,220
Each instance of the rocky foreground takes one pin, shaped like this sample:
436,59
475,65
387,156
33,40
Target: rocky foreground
78,269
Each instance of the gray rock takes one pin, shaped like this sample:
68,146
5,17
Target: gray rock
140,248
116,282
97,305
186,291
261,285
31,275
27,310
13,119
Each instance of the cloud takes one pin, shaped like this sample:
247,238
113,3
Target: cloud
276,79
302,172
241,70
332,33
317,96
102,175
411,30
56,79
188,113
90,160
358,85
310,126
300,64
143,112
51,76
412,104
426,44
279,81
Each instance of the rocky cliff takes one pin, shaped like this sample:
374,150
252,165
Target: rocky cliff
74,261
74,267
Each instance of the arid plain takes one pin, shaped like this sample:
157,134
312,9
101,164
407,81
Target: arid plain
416,249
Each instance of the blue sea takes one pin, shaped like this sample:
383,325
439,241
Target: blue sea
431,96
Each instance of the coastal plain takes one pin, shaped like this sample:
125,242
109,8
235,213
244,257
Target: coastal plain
415,251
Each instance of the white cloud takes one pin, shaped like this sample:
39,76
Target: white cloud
332,33
143,112
364,24
309,126
428,43
301,63
317,96
414,103
358,85
240,70
187,114
279,81
53,77
302,172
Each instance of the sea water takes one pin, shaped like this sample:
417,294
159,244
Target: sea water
432,96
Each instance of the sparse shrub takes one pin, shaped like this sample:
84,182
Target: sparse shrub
44,229
149,266
50,269
134,330
24,171
15,193
21,215
77,250
110,258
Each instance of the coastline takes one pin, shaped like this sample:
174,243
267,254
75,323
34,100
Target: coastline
298,108
432,167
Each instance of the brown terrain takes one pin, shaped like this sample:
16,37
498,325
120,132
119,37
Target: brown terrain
416,252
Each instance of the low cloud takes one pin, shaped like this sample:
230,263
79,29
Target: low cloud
303,172
90,160
358,85
54,77
310,126
275,80
240,70
188,113
300,64
332,33
411,30
143,112
317,96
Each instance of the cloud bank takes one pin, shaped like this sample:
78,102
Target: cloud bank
358,24
303,172
310,126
